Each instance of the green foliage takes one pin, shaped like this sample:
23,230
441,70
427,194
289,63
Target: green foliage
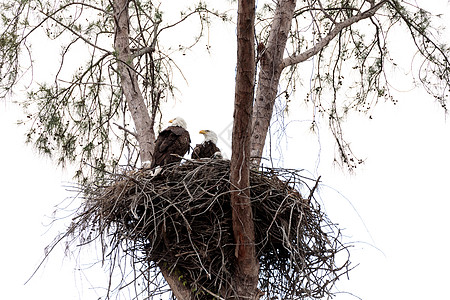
73,124
10,26
72,113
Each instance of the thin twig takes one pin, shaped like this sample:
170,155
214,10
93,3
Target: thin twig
126,130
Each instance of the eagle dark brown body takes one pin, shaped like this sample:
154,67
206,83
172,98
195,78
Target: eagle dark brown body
172,140
205,150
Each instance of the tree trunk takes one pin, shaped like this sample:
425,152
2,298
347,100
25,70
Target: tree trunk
178,289
139,112
269,76
245,279
129,82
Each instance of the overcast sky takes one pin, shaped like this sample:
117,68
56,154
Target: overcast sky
394,208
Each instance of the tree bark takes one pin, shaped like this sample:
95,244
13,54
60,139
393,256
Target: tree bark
247,266
269,76
178,289
129,82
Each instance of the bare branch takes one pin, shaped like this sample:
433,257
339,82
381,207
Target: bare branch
53,13
292,60
269,76
143,51
126,130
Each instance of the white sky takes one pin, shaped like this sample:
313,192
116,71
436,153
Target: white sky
394,208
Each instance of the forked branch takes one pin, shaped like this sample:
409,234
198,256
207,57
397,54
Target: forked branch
322,43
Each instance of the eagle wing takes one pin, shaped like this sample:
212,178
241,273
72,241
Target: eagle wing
172,140
204,150
197,151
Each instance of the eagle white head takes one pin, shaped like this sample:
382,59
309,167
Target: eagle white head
209,136
179,121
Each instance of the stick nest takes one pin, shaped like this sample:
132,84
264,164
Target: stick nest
181,220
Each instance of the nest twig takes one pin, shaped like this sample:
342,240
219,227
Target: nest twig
180,219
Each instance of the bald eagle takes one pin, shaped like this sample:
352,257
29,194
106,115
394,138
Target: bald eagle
208,148
174,139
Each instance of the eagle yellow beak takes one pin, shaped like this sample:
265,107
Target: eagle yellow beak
202,132
171,121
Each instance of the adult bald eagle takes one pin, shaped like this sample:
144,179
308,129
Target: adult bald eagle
174,139
208,148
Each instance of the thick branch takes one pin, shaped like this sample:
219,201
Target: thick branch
129,81
292,60
79,35
178,289
269,76
247,268
143,51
